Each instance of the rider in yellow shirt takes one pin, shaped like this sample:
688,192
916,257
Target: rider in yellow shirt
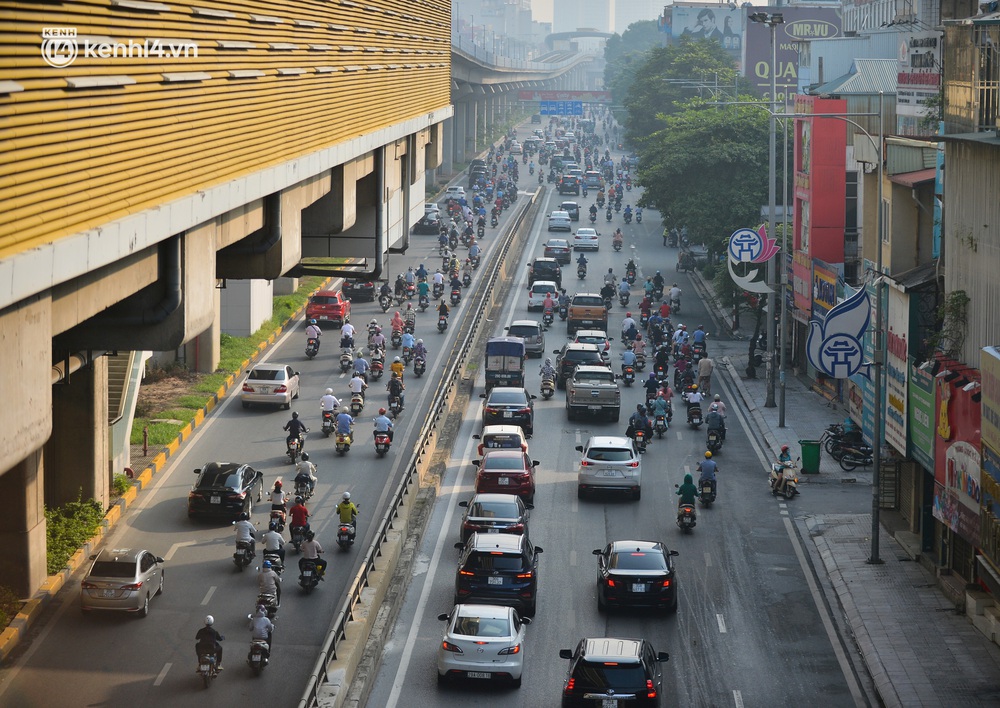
348,511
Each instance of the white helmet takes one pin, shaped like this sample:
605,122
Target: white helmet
209,620
329,392
347,496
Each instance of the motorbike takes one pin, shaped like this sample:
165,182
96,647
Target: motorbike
376,369
481,229
640,441
616,244
475,260
607,303
581,272
298,536
548,387
312,347
345,536
409,325
628,375
547,318
541,178
466,280
302,489
423,303
453,240
714,443
706,492
293,448
630,276
494,220
385,302
357,404
343,443
208,668
411,290
789,481
437,290
661,373
395,406
643,319
346,360
308,576
660,425
456,296
563,312
593,218
276,565
278,519
607,214
269,601
259,654
638,217
853,456
628,217
243,555
442,323
694,416
623,299
382,443
327,423
396,339
419,366
675,305
686,517
640,362
407,355
618,205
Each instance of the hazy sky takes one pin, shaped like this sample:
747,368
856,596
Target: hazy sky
541,10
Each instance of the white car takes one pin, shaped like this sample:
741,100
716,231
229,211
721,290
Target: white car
586,238
270,384
515,148
482,642
560,221
536,294
430,208
454,192
609,463
597,337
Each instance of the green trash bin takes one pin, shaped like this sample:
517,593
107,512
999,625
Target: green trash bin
810,456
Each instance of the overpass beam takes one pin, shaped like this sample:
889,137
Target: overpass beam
471,128
22,525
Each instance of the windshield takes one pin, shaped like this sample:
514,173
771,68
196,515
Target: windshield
494,561
219,480
595,376
267,375
621,677
636,560
524,331
494,510
588,301
112,569
482,627
609,454
495,463
506,398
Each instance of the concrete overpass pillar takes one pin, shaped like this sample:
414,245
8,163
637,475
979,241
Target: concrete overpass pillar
77,452
471,128
458,122
487,126
447,150
202,353
22,526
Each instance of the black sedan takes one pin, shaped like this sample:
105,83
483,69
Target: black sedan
494,513
358,290
428,224
636,574
510,406
225,489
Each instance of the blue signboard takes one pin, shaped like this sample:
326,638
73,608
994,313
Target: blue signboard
561,108
578,108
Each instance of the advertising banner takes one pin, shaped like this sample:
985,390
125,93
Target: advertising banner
957,460
921,417
800,23
896,368
918,79
824,287
989,369
719,22
861,380
802,286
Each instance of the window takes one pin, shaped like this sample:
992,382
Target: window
146,562
502,562
609,454
637,561
494,510
113,569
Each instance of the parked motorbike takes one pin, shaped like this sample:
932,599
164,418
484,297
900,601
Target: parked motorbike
853,456
714,442
706,492
419,366
243,555
548,387
312,347
783,479
308,576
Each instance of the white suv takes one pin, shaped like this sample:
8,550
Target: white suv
559,221
609,463
455,192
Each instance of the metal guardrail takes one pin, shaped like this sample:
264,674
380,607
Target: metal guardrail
478,310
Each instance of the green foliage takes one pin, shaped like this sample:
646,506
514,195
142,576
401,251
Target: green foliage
120,484
707,169
952,324
68,528
160,434
10,605
624,54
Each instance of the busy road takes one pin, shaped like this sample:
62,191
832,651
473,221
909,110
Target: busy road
751,627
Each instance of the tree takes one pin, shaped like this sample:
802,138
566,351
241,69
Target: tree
706,168
625,53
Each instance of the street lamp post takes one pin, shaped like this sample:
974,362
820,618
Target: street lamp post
772,20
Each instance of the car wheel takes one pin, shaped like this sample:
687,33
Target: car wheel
672,608
260,490
602,606
580,493
163,579
442,679
616,415
144,612
286,406
516,683
529,611
637,493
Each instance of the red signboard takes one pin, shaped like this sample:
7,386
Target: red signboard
585,96
820,179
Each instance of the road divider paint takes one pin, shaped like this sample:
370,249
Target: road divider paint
722,623
208,595
176,546
163,674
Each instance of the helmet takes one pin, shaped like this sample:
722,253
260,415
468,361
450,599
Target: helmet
708,455
652,375
312,321
683,326
611,270
299,500
694,387
657,272
347,496
244,516
410,269
628,314
718,397
310,535
209,620
420,341
267,565
381,411
277,484
715,407
329,392
548,360
701,326
273,526
295,414
378,330
373,321
639,408
305,457
784,448
395,359
675,285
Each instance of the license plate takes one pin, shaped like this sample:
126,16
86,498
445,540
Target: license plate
508,414
322,317
492,529
494,581
255,657
202,667
479,674
609,473
503,481
109,593
216,500
638,587
609,703
307,573
594,408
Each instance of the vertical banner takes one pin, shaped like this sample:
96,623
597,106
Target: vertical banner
921,417
957,460
896,368
918,79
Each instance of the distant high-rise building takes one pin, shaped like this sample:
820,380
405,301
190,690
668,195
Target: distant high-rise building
569,15
629,11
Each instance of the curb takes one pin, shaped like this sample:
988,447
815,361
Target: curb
19,626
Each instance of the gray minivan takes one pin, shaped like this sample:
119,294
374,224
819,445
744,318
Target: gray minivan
532,334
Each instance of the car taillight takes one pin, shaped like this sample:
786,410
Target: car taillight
586,463
281,389
516,527
488,409
132,586
633,464
666,583
516,649
466,572
609,582
448,646
247,388
650,691
238,495
524,410
525,576
570,686
88,586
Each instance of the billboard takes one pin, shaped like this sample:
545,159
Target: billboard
896,368
957,459
989,365
801,23
918,79
921,417
820,179
720,22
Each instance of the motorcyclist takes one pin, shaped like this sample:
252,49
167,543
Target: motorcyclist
438,277
279,498
705,368
409,341
311,551
419,350
675,293
345,424
443,309
662,358
609,278
347,334
714,421
628,210
423,289
260,630
246,532
328,403
631,267
784,459
305,471
377,341
314,332
607,291
474,250
639,421
687,493
549,304
397,322
617,237
547,371
661,405
639,346
409,317
628,359
651,385
648,286
209,641
357,385
693,398
624,289
699,335
456,283
593,211
708,468
658,281
296,430
396,388
348,512
467,269
717,401
269,582
421,271
397,367
383,424
273,542
299,514
361,365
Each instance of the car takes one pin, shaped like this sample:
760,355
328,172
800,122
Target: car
431,207
618,672
501,437
569,135
559,221
636,574
597,337
571,208
498,569
536,118
455,191
225,489
558,248
482,642
270,385
494,513
429,223
510,406
571,356
359,290
515,148
329,307
531,332
545,269
536,295
609,463
586,239
123,580
593,179
506,472
569,184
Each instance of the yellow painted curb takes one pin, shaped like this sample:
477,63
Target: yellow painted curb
30,610
8,640
130,495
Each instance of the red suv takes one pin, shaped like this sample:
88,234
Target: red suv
506,472
328,307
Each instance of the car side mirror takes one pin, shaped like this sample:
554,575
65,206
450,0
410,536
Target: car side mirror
443,616
529,506
159,560
674,553
296,373
662,656
525,620
477,436
539,549
677,486
93,556
534,463
197,470
459,545
464,504
555,351
596,552
477,462
533,397
565,653
506,329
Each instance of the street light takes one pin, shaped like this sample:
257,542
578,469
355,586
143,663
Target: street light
772,20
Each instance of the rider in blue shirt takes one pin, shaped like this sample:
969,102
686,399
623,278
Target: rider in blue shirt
408,340
383,424
344,423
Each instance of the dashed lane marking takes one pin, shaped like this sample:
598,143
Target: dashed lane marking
163,674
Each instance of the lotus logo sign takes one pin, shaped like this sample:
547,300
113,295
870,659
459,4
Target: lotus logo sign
834,343
749,252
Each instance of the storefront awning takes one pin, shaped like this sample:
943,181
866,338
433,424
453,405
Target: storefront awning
912,179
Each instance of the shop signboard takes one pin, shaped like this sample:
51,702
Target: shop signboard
989,369
921,417
801,285
957,460
918,79
896,367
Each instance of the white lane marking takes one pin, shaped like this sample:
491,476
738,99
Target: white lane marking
679,436
425,591
687,469
343,374
783,513
708,559
173,548
738,698
579,436
722,623
163,674
208,595
574,505
572,557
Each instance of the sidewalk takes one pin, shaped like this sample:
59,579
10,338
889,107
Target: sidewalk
917,649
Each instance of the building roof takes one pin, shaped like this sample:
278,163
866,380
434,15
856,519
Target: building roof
915,277
911,179
866,77
987,137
